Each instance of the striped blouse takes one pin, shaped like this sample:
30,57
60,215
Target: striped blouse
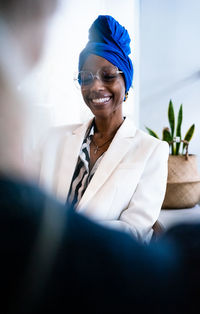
82,174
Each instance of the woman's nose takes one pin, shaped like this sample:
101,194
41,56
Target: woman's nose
97,83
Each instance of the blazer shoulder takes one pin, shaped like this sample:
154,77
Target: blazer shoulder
151,139
65,128
70,128
57,133
151,144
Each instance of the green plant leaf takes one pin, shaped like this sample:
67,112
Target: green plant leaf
151,132
188,135
166,136
171,117
178,128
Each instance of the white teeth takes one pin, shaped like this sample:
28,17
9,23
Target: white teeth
101,100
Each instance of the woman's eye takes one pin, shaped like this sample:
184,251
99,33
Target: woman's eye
109,77
86,79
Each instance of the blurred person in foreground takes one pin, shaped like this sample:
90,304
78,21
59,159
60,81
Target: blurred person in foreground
54,260
107,168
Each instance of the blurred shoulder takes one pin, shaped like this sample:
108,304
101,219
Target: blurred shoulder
25,194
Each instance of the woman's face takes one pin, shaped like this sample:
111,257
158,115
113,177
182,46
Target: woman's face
103,98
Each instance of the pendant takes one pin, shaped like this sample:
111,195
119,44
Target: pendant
96,150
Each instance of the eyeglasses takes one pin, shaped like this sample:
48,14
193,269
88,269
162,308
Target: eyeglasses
107,75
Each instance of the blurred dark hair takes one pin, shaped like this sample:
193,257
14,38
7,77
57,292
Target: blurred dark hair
23,10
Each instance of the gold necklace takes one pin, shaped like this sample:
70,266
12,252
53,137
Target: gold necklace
97,147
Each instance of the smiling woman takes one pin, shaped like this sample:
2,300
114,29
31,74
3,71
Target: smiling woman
108,169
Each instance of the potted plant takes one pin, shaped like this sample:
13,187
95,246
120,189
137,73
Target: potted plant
183,182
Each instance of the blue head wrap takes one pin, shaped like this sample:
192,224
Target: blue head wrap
110,40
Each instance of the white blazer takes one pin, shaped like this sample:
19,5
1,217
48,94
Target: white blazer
129,185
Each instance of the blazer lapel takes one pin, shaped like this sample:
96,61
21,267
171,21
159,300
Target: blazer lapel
113,156
68,158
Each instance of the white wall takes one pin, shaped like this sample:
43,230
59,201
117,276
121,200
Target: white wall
170,64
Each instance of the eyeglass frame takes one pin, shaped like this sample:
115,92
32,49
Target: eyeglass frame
96,75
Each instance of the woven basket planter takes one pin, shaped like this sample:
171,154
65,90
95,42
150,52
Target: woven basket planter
183,182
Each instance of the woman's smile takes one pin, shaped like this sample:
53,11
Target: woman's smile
101,100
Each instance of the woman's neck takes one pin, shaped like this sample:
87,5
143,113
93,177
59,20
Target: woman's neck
107,127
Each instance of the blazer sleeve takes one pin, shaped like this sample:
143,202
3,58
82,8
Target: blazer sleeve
146,202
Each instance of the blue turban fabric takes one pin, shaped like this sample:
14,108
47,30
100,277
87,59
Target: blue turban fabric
110,40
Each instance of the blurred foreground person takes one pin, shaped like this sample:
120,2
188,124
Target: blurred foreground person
54,260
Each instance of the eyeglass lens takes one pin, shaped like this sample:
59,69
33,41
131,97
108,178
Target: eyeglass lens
106,75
